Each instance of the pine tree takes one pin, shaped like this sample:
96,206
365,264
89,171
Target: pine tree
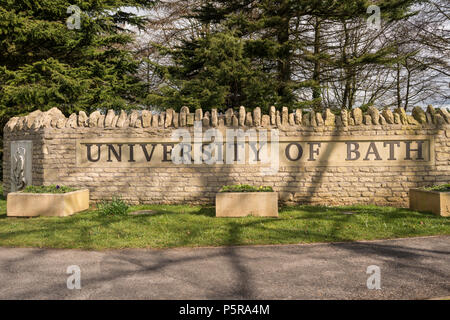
213,72
45,64
275,43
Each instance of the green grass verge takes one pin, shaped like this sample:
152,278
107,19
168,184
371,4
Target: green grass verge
192,226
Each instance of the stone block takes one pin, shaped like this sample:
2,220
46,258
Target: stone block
21,204
431,201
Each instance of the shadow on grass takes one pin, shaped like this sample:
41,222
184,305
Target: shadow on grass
207,211
294,222
387,212
181,226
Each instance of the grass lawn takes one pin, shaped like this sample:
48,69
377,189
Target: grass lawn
192,226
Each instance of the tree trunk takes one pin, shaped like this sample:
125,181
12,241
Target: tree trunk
347,85
316,91
284,59
399,96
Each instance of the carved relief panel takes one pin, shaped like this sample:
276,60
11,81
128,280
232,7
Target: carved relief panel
21,164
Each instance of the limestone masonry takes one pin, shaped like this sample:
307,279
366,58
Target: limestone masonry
354,157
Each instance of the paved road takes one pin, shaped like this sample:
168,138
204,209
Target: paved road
414,268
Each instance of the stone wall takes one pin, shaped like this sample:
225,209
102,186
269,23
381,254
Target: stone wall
56,138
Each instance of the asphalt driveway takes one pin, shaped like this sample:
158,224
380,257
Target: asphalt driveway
414,268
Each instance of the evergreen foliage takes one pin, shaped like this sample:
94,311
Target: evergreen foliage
215,71
45,64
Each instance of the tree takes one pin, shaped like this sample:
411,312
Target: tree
213,72
46,64
423,71
302,46
167,24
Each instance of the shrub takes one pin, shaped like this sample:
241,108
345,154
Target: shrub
441,188
245,188
115,207
48,189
